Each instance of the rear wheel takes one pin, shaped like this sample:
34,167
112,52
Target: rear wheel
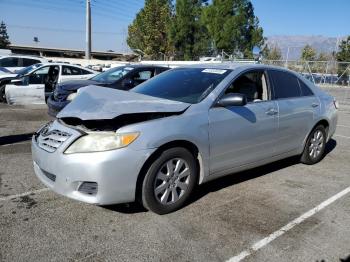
169,181
315,146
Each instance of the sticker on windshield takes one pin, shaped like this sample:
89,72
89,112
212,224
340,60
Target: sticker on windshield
214,71
128,68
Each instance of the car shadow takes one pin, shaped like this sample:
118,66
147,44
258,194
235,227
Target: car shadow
12,139
226,181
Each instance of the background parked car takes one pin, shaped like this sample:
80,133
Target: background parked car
8,77
123,77
36,86
18,62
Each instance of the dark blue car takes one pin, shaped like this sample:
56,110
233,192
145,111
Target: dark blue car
123,78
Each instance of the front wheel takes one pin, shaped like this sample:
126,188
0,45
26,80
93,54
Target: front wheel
315,146
169,181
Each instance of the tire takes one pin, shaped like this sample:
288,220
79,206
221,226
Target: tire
2,94
165,191
315,146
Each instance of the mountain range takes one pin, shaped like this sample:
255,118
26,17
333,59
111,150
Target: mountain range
297,42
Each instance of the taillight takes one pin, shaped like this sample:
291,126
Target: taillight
336,104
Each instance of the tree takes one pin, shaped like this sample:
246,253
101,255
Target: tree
342,56
272,54
149,30
308,53
188,35
324,57
4,38
233,26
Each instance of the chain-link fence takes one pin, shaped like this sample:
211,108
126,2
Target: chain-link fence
332,76
326,73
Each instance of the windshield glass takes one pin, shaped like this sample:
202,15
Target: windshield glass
28,69
112,75
190,85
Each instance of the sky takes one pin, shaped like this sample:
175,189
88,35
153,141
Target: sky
62,23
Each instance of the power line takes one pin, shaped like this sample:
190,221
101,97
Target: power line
62,29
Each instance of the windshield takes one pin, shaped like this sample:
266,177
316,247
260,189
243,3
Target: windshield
28,69
190,85
112,75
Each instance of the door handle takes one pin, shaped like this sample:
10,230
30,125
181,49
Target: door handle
271,112
314,105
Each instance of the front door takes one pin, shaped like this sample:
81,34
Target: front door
241,135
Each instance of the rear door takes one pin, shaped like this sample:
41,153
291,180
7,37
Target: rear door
297,106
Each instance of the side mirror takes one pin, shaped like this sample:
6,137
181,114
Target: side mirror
233,99
256,52
128,83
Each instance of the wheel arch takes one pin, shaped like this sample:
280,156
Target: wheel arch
323,122
190,146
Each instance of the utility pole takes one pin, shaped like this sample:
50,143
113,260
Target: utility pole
88,30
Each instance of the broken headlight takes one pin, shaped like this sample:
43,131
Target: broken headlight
101,141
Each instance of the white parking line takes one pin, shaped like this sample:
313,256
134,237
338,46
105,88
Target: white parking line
343,126
260,244
347,137
24,194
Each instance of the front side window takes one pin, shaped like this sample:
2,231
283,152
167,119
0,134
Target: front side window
39,76
189,85
252,84
286,85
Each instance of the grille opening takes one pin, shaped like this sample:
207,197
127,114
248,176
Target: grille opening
50,176
89,188
52,140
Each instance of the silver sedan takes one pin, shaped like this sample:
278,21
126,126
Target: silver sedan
180,129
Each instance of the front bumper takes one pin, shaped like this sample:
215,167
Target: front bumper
115,172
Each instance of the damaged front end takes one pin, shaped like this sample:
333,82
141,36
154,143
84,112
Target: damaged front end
105,109
115,123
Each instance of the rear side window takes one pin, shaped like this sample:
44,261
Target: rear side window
305,90
85,72
69,70
286,85
29,62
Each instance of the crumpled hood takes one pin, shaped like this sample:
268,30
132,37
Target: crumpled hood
97,103
73,85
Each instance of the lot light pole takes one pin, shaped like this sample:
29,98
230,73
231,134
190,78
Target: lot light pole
88,30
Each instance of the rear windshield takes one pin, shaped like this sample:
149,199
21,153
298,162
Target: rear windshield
190,85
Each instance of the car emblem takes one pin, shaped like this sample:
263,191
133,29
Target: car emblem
45,130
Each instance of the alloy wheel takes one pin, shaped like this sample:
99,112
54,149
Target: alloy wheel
316,144
172,181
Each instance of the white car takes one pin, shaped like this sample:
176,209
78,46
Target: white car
36,86
18,62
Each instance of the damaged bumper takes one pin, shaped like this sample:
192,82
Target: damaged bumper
97,178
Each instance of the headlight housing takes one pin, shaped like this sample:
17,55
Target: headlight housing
70,97
101,141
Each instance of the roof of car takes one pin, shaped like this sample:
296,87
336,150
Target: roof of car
145,66
232,66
